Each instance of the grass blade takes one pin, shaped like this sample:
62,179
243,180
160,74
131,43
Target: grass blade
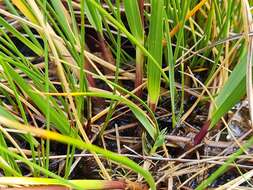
232,92
134,19
93,16
171,64
155,48
139,113
80,144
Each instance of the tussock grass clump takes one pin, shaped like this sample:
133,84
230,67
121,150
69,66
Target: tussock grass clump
129,94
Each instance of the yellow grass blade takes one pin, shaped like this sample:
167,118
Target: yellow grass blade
24,9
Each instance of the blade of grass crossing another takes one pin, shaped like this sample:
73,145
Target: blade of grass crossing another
135,23
80,144
47,81
118,25
93,15
37,50
233,90
224,167
64,21
57,118
12,9
113,105
134,18
25,9
171,64
139,113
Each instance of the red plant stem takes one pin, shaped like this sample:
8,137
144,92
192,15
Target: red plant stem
115,185
152,106
106,52
139,72
202,133
139,56
41,187
141,9
107,185
89,77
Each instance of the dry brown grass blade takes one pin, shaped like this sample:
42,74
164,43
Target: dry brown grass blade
189,15
185,116
199,138
237,181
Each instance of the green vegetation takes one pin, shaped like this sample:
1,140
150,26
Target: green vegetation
135,94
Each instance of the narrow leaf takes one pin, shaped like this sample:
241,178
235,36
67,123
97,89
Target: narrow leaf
232,92
155,49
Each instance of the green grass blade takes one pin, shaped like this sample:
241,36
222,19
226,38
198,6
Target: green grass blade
171,64
59,119
39,168
80,144
12,167
93,16
130,36
232,92
12,9
138,112
155,49
225,166
63,22
119,88
8,171
135,23
18,35
37,181
134,18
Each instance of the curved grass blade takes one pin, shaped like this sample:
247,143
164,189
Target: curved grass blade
57,118
80,144
119,88
138,112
